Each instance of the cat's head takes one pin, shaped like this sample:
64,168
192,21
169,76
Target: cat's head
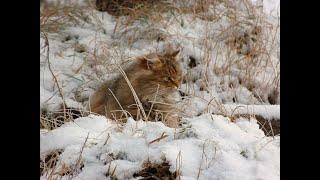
166,68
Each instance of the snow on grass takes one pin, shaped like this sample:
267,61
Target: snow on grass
205,102
102,46
219,81
219,148
72,132
266,111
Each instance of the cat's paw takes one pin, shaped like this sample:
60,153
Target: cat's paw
173,121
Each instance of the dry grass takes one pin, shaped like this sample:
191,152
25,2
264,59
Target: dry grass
52,168
135,9
49,162
55,17
54,119
246,43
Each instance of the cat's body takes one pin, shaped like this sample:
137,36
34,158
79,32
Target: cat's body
154,78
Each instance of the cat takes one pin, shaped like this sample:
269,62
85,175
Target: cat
155,79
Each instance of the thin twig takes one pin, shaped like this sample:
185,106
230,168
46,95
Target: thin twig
163,135
80,156
51,71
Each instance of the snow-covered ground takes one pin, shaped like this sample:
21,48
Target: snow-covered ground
209,145
232,66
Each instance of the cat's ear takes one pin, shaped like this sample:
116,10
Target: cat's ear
150,61
176,54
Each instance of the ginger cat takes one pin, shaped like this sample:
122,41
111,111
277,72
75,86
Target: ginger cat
155,79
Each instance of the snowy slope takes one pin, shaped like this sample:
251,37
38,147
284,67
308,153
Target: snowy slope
81,57
211,143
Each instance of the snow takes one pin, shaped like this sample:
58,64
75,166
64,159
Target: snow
221,149
76,71
266,111
271,7
222,83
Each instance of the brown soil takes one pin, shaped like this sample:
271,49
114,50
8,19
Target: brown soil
156,171
121,7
